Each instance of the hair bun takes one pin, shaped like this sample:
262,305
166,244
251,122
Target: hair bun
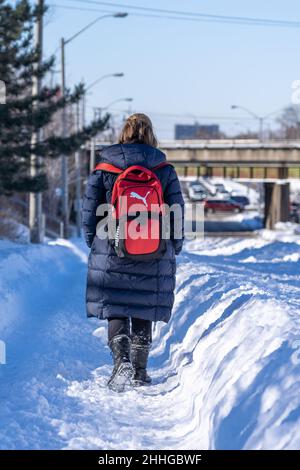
138,128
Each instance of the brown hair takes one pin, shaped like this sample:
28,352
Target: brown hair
138,129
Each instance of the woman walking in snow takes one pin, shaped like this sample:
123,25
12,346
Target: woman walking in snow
131,284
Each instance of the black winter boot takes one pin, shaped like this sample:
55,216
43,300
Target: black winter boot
139,355
123,371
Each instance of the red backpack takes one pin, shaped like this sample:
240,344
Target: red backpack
137,212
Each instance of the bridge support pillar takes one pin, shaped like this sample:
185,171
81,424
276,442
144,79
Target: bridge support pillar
208,171
277,204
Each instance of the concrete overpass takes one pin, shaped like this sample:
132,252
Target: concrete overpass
273,162
235,158
276,160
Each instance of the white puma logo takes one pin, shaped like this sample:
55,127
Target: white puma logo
138,196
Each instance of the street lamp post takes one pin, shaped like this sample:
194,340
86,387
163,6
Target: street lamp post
98,111
108,75
255,116
128,100
261,119
77,178
64,160
91,85
35,199
77,153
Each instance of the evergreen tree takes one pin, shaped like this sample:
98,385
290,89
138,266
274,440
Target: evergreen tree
24,114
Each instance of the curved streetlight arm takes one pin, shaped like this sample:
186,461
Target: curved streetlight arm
255,115
129,100
98,110
246,110
259,118
91,85
115,15
272,113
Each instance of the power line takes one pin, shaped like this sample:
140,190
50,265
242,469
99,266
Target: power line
176,18
139,15
191,16
194,117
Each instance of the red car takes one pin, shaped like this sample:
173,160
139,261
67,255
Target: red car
222,205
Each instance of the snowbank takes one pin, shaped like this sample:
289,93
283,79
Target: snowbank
225,370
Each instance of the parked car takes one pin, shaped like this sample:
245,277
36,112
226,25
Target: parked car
244,200
197,192
220,189
222,205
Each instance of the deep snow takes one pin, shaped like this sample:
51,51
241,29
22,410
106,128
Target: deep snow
226,368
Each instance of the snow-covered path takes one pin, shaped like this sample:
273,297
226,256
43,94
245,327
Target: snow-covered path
226,368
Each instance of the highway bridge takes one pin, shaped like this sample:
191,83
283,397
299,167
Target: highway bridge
235,158
272,162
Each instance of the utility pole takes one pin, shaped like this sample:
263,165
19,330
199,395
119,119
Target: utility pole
91,85
35,199
64,158
261,129
92,154
97,115
78,177
83,108
261,119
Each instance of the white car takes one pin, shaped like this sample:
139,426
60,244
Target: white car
197,192
220,189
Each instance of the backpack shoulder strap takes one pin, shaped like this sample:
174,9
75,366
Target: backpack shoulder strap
161,165
108,167
114,169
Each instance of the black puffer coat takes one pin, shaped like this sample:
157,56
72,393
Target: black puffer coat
118,287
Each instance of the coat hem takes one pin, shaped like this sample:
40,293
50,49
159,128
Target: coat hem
104,314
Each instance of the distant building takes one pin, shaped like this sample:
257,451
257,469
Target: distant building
197,131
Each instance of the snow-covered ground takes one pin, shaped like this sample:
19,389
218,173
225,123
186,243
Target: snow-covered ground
226,369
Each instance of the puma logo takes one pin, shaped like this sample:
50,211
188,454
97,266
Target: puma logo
138,196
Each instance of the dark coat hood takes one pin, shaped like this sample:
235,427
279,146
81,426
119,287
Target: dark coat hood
125,155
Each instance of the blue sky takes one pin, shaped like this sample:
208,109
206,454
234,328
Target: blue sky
183,67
